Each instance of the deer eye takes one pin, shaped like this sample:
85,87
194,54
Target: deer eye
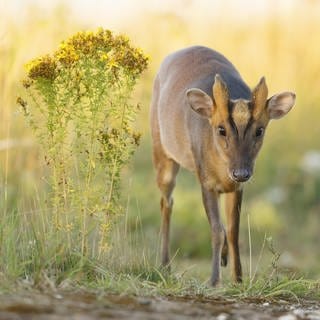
222,131
259,132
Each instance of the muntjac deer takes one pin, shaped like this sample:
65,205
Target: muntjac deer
207,120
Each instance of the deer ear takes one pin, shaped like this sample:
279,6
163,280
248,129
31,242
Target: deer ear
280,104
200,102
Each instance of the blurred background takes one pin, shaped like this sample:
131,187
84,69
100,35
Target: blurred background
275,39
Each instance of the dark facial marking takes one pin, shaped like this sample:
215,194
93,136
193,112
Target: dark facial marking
250,122
233,125
240,115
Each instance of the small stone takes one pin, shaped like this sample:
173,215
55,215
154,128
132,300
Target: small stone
299,312
288,317
222,316
266,304
144,302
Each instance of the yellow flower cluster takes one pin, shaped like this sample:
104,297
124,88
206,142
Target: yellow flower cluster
66,54
104,47
43,67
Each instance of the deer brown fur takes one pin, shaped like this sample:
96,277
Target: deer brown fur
207,120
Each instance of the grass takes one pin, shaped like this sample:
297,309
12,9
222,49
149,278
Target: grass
131,268
155,283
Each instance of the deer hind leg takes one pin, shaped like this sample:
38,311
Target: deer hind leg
167,170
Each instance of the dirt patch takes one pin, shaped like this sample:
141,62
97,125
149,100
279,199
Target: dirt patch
85,306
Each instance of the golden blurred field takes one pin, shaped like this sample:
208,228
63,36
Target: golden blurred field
283,200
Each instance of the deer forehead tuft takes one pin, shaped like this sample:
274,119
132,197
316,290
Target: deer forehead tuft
241,113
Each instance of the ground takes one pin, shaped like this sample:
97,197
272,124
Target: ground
90,306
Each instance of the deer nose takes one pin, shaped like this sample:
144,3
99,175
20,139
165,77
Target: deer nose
241,175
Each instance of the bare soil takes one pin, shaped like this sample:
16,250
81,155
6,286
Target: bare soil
85,306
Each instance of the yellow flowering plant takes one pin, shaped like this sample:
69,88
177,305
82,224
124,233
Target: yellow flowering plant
77,102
